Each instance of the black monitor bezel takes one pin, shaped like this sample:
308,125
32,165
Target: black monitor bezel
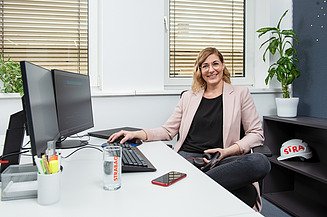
71,131
37,149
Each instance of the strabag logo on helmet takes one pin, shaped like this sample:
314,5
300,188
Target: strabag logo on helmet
295,148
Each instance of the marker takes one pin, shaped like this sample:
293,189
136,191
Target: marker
38,164
46,164
43,167
53,166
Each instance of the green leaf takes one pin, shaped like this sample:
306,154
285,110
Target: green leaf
296,72
264,30
288,32
267,79
290,51
281,43
290,79
273,46
264,54
272,38
280,20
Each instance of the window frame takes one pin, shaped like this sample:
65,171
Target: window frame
95,54
247,80
52,46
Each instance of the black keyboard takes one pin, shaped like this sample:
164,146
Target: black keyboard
133,160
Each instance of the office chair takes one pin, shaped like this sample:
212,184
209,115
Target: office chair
247,194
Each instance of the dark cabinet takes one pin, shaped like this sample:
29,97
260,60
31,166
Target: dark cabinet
298,187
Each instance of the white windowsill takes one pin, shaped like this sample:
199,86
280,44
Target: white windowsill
173,92
98,93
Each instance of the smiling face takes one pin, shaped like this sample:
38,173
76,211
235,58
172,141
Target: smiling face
212,70
209,70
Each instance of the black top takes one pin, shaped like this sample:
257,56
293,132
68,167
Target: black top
206,130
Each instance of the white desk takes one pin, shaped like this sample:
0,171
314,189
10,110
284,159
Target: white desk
82,194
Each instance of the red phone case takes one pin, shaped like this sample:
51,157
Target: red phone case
165,184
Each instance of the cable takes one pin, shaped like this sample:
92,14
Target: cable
88,146
13,153
30,155
80,136
63,138
26,144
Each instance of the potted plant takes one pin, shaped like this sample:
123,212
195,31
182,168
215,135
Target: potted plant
11,76
281,44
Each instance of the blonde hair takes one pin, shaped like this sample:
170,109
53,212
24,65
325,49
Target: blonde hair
198,82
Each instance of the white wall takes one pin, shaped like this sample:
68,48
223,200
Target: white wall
131,41
129,53
136,111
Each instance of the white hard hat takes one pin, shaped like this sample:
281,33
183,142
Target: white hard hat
294,148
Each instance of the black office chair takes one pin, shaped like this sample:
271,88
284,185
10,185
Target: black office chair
248,194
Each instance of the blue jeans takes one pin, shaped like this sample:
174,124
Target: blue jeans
236,172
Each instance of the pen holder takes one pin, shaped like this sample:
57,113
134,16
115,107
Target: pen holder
48,191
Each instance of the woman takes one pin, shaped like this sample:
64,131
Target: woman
208,119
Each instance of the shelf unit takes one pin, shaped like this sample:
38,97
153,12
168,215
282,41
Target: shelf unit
298,187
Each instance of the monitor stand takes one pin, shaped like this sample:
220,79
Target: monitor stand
68,144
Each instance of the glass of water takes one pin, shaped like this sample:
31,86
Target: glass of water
112,167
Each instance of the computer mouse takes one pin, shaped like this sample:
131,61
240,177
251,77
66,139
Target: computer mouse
104,144
136,142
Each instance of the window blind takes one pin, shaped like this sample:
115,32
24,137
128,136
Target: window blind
196,24
52,34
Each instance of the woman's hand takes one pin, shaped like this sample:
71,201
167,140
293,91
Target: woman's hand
213,151
122,135
125,135
225,152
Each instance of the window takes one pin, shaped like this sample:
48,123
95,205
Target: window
194,25
52,34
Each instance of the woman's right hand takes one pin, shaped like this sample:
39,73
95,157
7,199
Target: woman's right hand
125,135
122,135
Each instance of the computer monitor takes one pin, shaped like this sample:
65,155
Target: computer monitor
39,105
73,105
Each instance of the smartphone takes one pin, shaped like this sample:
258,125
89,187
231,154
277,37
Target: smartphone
168,178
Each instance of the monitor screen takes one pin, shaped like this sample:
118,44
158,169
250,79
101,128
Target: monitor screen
73,103
39,105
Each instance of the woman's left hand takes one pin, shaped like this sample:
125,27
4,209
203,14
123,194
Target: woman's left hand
213,151
225,152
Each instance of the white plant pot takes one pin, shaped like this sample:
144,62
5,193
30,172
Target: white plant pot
287,107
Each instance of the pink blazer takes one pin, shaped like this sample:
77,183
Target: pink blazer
238,106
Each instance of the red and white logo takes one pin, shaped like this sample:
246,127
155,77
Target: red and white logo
294,148
116,164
